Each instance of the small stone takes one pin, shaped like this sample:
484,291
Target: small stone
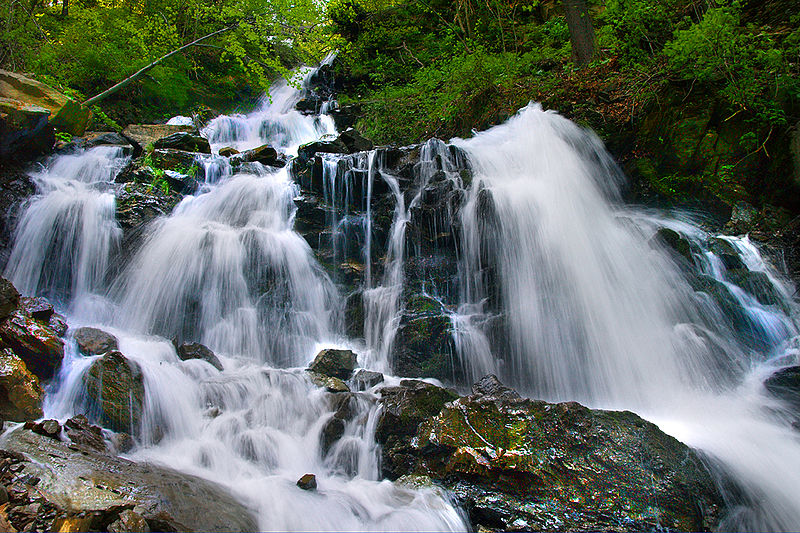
492,387
80,431
48,428
307,482
228,151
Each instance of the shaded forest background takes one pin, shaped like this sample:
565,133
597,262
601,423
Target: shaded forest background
698,99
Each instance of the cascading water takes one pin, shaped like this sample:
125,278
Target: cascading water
592,309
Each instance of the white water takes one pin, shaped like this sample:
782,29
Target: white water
595,314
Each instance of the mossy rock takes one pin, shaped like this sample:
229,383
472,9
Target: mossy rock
20,393
115,386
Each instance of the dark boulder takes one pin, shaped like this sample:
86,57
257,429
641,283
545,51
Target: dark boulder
355,142
115,388
81,432
195,350
518,464
93,341
265,154
105,138
139,203
334,363
674,242
307,151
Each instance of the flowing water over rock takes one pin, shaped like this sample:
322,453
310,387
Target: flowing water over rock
507,253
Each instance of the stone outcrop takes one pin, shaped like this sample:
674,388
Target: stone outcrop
34,342
520,464
74,487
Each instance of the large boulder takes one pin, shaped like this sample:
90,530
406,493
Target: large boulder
93,341
115,387
67,115
76,486
34,342
20,393
519,464
334,363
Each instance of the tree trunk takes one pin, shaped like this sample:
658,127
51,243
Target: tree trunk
581,33
64,9
94,99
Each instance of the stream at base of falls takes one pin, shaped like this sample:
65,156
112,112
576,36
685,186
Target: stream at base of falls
551,283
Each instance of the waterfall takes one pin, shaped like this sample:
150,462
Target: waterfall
596,313
556,286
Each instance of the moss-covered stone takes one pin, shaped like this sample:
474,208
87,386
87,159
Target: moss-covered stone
115,386
20,393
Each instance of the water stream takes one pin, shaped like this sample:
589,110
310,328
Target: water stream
595,309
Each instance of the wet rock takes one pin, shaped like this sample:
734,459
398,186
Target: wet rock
354,314
727,253
129,521
265,154
25,131
143,135
184,140
307,482
46,428
520,464
307,151
105,138
758,284
20,393
9,298
744,218
139,203
196,350
182,162
37,307
330,383
96,486
80,431
424,344
35,343
672,240
366,379
404,409
785,384
115,387
332,431
334,363
15,187
58,323
93,341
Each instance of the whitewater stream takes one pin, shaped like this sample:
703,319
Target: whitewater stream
595,313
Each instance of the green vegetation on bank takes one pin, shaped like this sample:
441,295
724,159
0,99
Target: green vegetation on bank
86,46
698,98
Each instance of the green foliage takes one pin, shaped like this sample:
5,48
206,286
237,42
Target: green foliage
102,42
